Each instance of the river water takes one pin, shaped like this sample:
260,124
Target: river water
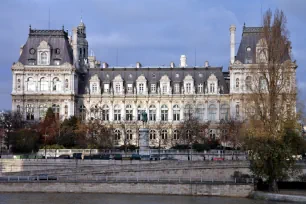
93,198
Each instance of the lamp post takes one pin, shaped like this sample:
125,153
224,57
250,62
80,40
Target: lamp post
45,135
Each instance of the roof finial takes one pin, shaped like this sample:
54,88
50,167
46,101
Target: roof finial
244,25
30,28
63,27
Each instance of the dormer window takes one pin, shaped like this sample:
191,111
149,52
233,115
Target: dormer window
141,88
43,58
188,87
43,53
212,87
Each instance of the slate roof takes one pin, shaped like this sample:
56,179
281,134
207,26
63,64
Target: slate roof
55,38
153,75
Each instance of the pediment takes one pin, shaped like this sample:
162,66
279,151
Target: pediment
118,78
188,78
141,78
43,45
165,78
95,78
212,77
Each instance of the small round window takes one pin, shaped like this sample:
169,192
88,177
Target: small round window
153,75
248,49
32,51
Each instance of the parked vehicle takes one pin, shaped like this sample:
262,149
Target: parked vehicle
135,157
64,156
105,157
155,157
169,158
77,156
117,157
44,177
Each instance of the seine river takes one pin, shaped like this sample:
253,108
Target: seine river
76,198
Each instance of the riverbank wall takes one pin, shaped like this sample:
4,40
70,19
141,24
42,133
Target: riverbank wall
258,195
195,189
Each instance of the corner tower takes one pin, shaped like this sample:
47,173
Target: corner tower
80,46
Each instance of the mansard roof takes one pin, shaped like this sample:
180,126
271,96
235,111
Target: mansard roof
56,39
153,75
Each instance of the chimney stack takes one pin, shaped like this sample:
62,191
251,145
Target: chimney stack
138,65
232,44
172,65
206,64
183,60
104,65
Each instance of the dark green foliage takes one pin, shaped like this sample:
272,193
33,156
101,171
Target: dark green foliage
25,141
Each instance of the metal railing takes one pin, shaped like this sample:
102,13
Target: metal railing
123,179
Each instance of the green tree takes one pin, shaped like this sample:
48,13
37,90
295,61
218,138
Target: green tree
68,136
25,141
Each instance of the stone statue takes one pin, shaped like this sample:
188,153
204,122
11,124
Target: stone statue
144,117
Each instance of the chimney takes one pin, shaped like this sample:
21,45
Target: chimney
91,60
104,65
232,44
183,60
21,49
138,65
172,65
206,64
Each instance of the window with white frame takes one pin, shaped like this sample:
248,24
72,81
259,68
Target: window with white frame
105,113
43,84
117,134
18,84
176,113
117,113
152,134
30,112
56,110
188,87
212,87
153,88
82,112
66,84
248,83
237,84
66,110
31,84
177,88
175,134
164,134
56,84
117,88
140,110
152,113
128,113
262,83
106,88
188,112
94,88
164,113
42,109
141,88
224,112
130,88
164,88
200,88
43,58
129,134
212,111
200,111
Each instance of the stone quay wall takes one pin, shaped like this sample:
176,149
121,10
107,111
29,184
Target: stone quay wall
196,189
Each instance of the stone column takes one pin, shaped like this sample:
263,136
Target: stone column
144,141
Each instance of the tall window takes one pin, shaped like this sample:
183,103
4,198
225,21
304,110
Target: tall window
164,88
188,134
237,84
212,111
152,113
200,111
141,88
95,112
164,113
200,88
117,113
176,113
188,112
117,88
188,87
212,87
129,112
66,110
212,134
130,88
56,84
30,112
43,58
117,134
56,110
153,88
43,84
237,110
94,88
164,134
18,84
152,134
66,84
248,83
175,134
105,113
139,112
18,108
42,111
31,84
176,88
106,88
224,112
129,134
262,83
82,112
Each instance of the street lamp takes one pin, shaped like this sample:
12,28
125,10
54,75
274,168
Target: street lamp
45,135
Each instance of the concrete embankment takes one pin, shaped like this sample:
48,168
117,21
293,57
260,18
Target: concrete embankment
229,190
278,197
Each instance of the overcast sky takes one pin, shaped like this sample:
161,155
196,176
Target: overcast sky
153,32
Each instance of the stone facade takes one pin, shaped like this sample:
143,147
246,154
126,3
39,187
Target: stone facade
55,70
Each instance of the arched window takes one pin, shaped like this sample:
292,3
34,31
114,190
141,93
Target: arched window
56,84
129,134
117,134
31,84
152,113
200,112
66,110
248,83
43,58
188,112
176,113
237,83
164,134
42,111
175,134
200,88
212,111
140,110
212,87
66,84
129,112
56,110
30,112
117,113
224,112
105,113
152,134
164,113
95,112
188,135
94,88
237,110
262,83
212,134
44,84
82,112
